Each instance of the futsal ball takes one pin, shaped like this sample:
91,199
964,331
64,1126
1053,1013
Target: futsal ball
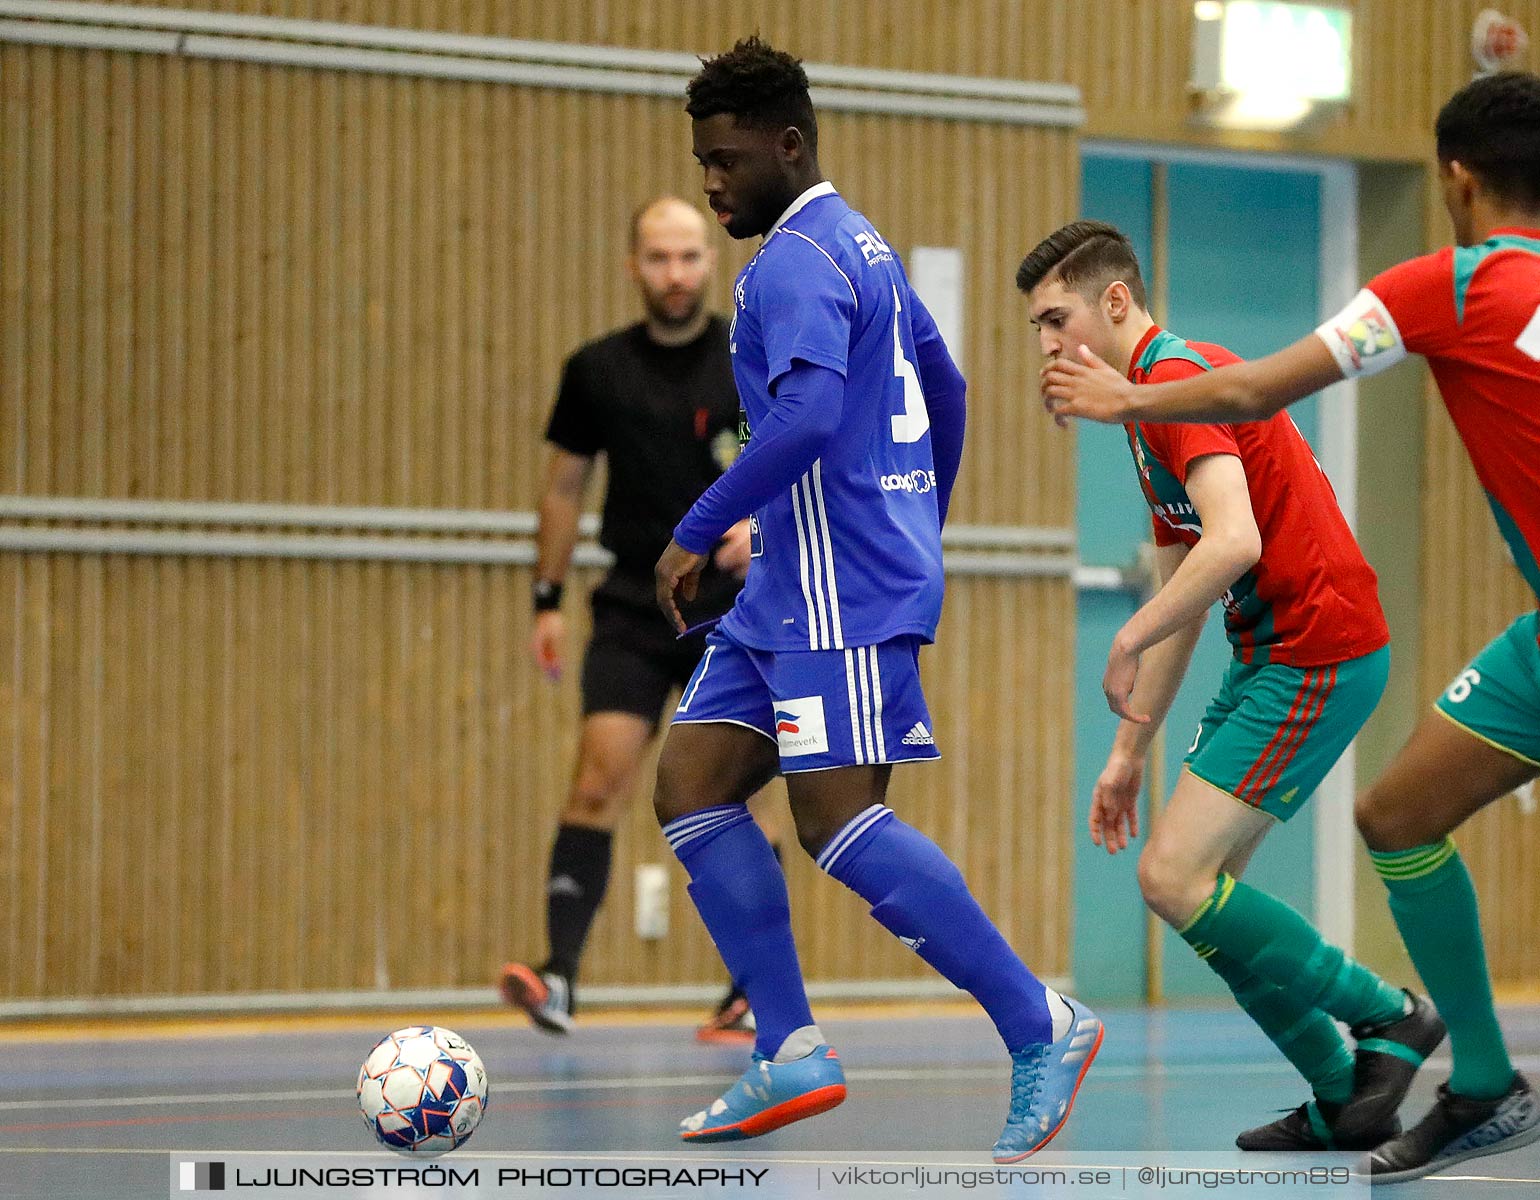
422,1090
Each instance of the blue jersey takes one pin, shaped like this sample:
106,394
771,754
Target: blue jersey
851,554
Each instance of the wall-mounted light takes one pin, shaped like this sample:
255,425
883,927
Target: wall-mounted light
1269,64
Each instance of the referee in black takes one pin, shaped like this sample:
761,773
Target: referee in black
658,399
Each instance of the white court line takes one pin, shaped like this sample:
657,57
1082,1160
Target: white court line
833,1158
868,1074
1113,1071
1481,1178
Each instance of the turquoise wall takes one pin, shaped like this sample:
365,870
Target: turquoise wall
1111,520
1228,228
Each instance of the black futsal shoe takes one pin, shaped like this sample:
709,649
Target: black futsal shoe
1457,1128
1384,1065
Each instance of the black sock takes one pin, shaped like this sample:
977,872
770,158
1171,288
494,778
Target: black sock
580,871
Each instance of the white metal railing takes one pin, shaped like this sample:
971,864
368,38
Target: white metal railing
390,534
335,46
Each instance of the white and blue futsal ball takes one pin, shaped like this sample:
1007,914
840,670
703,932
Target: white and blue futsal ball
422,1090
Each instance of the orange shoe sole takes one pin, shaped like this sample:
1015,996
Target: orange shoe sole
809,1104
522,988
733,1037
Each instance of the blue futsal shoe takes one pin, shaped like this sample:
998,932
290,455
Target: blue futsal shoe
769,1095
1044,1080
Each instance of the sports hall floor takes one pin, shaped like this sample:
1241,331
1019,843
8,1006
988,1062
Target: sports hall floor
94,1111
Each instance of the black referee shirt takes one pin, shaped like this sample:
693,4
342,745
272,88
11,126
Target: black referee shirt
666,418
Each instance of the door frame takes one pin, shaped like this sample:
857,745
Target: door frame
1337,431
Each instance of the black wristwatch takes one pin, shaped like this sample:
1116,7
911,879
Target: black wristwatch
546,595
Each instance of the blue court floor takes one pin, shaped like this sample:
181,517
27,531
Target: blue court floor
100,1114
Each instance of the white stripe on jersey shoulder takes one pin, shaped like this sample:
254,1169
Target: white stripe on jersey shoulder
830,257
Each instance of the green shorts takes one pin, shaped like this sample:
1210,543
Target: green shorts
1497,697
1273,732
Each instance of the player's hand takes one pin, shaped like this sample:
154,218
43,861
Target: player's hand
732,552
1087,388
548,643
676,576
1115,803
1118,682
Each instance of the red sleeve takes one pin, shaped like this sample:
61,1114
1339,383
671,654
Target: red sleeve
1164,535
1419,295
1177,446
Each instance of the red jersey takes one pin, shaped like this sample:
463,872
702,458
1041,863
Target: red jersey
1474,314
1312,598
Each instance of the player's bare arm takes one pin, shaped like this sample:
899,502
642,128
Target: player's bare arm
1231,544
1115,798
561,506
1245,391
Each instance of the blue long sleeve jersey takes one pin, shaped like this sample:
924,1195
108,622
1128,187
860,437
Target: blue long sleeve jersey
857,413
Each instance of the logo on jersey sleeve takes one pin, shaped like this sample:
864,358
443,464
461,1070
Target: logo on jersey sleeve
799,726
1368,336
873,248
1363,337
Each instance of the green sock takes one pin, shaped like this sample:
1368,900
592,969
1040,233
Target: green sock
1434,905
1307,1037
1275,943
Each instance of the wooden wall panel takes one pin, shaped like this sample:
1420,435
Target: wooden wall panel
1131,58
227,281
232,282
274,775
382,275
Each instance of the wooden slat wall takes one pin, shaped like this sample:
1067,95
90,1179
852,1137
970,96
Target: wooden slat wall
234,776
1129,57
384,275
233,282
223,281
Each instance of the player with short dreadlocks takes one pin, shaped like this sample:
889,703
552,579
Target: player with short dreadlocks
856,417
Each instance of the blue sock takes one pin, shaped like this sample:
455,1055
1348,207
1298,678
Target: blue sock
740,893
919,895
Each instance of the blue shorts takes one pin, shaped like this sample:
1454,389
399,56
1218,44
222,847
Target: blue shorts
822,708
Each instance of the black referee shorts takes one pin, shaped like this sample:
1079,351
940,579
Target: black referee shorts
634,660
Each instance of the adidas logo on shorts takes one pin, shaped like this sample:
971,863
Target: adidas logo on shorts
918,736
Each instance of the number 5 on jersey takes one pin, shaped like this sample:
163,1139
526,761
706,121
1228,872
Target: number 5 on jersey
911,424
